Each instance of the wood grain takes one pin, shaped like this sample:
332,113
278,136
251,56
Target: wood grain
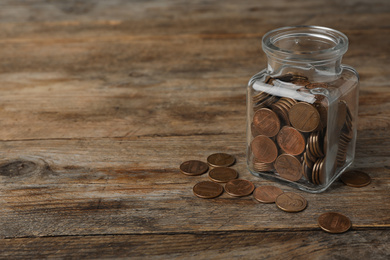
102,100
367,244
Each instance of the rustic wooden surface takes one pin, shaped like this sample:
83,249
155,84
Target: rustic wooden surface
102,100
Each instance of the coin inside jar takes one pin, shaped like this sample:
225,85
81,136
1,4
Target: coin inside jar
355,178
239,188
193,167
207,189
220,160
267,193
266,122
291,202
334,222
291,140
289,167
304,117
222,174
264,149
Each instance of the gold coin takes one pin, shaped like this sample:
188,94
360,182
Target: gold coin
239,188
222,174
193,167
207,189
334,222
356,178
267,193
291,202
304,117
220,160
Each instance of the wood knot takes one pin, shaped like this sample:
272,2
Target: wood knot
24,167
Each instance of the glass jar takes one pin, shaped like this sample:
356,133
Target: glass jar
302,109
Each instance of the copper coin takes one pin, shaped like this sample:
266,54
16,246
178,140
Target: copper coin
286,77
316,85
267,194
207,189
264,149
193,167
239,188
223,174
355,178
304,117
291,140
334,222
220,160
341,114
266,122
289,167
291,202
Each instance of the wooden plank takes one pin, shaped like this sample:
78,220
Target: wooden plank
120,186
368,244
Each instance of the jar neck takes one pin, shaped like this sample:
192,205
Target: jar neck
313,51
315,70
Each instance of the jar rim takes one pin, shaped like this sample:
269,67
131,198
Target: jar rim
337,41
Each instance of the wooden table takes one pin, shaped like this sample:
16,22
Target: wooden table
102,100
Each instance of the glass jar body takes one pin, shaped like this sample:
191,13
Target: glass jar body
301,121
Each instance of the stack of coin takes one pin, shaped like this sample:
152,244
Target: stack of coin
262,100
290,135
313,158
346,135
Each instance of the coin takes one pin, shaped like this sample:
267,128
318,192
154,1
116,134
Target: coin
289,167
193,167
291,140
262,167
304,117
356,178
220,160
222,174
316,85
239,188
291,202
267,193
334,222
266,122
341,114
264,149
207,189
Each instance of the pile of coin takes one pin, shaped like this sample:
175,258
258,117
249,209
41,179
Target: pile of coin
289,135
220,173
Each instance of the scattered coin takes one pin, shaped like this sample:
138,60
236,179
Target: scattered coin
291,202
267,193
289,167
239,188
264,149
220,160
223,174
304,117
193,167
356,178
334,222
207,189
